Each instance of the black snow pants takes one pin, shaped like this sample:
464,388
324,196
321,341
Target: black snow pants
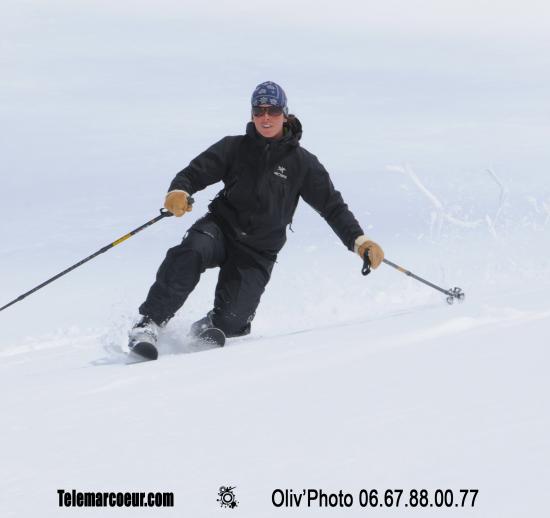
243,276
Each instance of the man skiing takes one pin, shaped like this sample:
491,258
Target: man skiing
264,173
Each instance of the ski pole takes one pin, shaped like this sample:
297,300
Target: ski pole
452,293
163,214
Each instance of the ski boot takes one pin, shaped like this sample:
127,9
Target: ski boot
205,331
143,338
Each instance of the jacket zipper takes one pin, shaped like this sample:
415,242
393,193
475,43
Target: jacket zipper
261,177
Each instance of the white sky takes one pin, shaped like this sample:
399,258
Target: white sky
437,82
529,17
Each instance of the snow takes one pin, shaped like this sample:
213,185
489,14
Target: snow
433,124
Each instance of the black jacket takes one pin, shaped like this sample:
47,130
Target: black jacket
263,181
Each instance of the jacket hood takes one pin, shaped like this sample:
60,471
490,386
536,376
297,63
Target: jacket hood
292,132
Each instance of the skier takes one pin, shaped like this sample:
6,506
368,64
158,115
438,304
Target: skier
264,174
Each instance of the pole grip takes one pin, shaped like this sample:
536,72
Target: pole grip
167,214
366,263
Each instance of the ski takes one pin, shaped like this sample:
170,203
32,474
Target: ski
145,350
212,335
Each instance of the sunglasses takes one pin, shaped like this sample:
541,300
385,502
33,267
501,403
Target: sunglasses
273,111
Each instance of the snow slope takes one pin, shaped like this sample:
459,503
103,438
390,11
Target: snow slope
433,122
346,383
432,398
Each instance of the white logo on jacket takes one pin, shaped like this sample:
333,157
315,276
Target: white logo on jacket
280,171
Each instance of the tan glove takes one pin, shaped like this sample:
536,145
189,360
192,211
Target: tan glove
176,203
376,254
